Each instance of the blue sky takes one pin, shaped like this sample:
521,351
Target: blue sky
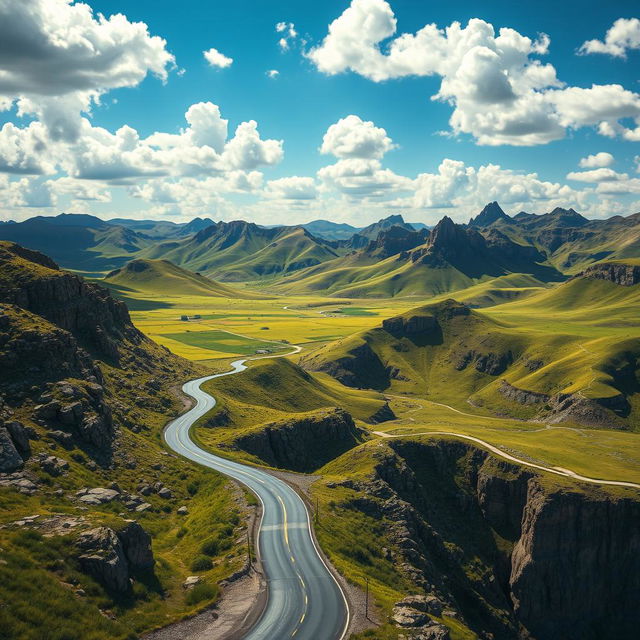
61,151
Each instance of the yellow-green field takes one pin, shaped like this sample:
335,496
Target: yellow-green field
584,324
298,320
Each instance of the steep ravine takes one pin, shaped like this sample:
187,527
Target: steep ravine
507,552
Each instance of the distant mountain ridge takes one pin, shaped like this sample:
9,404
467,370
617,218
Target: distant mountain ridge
493,244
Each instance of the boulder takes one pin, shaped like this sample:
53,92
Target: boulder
10,459
136,543
53,465
427,604
71,414
191,582
409,617
165,493
110,557
97,495
434,631
48,411
103,557
20,437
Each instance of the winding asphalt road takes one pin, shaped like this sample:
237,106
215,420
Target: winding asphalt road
305,601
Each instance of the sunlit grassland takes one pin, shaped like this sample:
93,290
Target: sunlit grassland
305,320
42,570
599,453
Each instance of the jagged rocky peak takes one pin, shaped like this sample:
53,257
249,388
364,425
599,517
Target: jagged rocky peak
491,213
448,236
395,239
443,232
569,217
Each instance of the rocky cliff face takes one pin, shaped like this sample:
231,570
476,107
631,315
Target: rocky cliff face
395,240
575,571
305,443
57,332
360,368
507,552
562,407
625,275
86,310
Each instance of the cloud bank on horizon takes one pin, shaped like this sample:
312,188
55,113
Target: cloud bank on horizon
62,63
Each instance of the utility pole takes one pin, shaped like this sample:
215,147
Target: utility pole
366,599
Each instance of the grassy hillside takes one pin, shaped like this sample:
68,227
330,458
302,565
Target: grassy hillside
239,251
453,258
579,339
88,396
571,242
275,390
161,277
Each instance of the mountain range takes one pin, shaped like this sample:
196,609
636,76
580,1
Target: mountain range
388,258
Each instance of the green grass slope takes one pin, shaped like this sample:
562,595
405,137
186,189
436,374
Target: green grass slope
165,278
274,390
240,251
578,344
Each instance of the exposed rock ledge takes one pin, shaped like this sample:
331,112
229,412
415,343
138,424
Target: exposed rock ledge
500,548
113,557
623,274
564,407
305,443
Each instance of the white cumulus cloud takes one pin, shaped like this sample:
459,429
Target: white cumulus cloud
623,36
57,58
352,137
602,174
217,59
596,160
500,92
292,188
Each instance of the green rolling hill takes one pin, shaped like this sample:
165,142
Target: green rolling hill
570,241
163,278
241,251
570,353
452,258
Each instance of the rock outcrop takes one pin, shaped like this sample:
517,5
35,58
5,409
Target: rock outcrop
10,459
575,571
102,556
361,368
625,275
567,564
571,407
403,326
113,557
85,310
394,240
305,443
491,363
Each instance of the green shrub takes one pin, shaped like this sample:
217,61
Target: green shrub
201,563
210,547
201,592
192,488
